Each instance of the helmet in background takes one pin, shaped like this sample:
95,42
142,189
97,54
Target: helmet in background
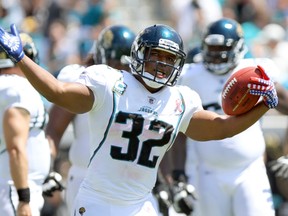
194,55
161,37
114,43
223,46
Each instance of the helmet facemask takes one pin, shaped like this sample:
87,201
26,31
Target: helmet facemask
143,55
221,55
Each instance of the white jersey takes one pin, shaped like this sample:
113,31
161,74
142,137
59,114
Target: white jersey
230,153
131,129
16,91
79,149
231,169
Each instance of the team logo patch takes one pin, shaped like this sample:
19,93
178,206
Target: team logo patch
119,87
151,100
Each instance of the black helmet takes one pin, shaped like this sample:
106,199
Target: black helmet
194,55
222,46
161,37
114,43
28,48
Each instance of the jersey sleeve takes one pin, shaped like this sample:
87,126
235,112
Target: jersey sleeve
193,104
70,73
16,97
100,79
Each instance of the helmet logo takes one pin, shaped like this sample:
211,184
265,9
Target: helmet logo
107,39
29,47
168,44
239,30
3,55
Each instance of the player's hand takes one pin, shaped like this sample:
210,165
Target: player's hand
11,43
23,209
279,167
52,183
264,87
184,194
163,195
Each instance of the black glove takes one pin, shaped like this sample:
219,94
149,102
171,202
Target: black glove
52,183
279,167
163,195
184,194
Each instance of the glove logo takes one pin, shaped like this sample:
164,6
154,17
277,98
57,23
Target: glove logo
13,43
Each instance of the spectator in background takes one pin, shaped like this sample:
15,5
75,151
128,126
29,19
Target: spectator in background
253,15
279,11
11,11
62,49
272,43
196,14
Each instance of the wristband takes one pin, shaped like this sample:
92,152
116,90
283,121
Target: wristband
24,195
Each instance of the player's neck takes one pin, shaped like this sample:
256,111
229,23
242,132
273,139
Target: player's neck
152,90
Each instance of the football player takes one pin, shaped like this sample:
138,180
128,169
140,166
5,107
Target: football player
134,118
230,174
112,48
24,150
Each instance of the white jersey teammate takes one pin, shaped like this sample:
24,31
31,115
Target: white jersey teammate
231,176
17,92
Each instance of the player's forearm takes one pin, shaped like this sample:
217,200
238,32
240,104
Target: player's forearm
206,125
237,124
60,93
19,168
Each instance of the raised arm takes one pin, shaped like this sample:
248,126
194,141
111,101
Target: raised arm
75,97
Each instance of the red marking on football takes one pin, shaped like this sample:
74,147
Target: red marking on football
236,98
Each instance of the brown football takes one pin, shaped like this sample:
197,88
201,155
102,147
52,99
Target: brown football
236,98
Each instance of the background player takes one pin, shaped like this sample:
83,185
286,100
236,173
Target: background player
24,150
231,172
